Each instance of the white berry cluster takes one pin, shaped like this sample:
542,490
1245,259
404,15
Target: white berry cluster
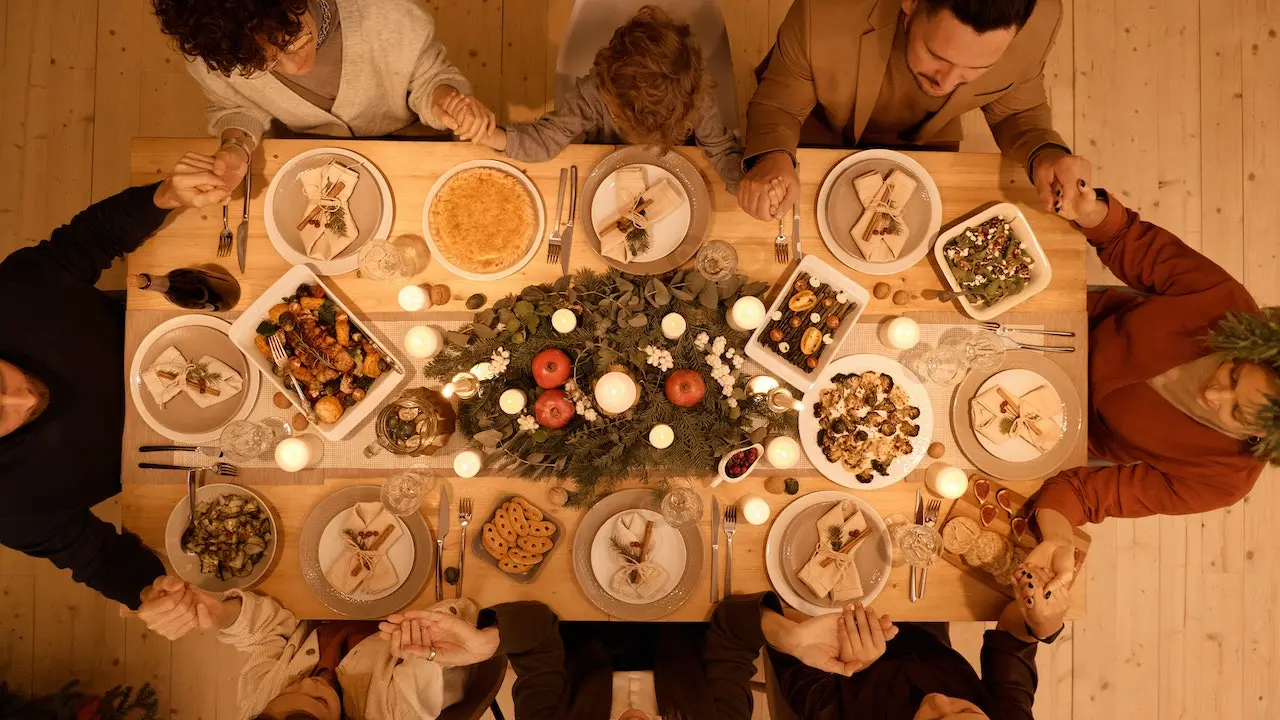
581,403
724,362
658,357
499,361
527,422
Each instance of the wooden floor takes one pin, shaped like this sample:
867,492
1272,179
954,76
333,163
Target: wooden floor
1176,102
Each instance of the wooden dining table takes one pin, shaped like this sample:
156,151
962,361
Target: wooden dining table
965,181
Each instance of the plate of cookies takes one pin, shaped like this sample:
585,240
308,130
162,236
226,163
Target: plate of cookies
517,538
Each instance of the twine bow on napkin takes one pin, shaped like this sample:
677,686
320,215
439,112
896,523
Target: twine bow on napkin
881,232
363,568
208,381
634,541
327,227
1035,417
832,571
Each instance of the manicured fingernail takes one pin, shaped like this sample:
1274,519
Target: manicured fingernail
1057,192
1031,586
1081,183
1047,593
1057,207
1028,601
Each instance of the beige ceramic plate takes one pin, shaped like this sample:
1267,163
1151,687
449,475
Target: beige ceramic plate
1038,467
419,536
800,538
181,419
690,180
584,538
188,566
370,203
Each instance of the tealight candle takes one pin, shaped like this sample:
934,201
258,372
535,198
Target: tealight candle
464,385
564,321
422,342
467,463
616,392
754,509
900,333
673,326
413,298
782,452
946,480
746,314
512,401
298,453
661,436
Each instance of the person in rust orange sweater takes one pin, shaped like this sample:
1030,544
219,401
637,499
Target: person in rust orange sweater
1184,383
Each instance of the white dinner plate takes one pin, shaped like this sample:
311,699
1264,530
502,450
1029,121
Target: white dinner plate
187,566
401,554
666,234
901,466
284,204
666,549
874,557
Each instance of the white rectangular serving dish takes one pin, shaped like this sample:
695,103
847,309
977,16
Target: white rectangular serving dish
245,328
778,365
1041,272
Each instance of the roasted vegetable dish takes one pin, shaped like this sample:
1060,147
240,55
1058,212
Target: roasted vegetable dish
230,535
334,361
805,324
989,262
865,423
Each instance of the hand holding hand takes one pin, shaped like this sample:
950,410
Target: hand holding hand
465,115
1059,177
1042,597
1084,207
194,184
454,641
823,642
230,163
863,635
771,185
167,608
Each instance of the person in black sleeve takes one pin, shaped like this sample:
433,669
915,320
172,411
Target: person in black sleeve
62,384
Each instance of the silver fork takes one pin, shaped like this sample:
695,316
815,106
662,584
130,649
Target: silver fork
730,527
557,233
220,468
224,240
781,252
930,519
464,519
1006,332
281,359
999,329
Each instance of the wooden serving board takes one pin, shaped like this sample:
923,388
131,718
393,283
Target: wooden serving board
968,506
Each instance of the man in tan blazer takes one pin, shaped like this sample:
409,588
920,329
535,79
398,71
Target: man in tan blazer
857,73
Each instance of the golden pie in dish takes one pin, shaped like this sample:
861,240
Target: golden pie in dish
482,220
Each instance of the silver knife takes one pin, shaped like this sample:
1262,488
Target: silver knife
795,230
208,450
566,237
242,232
442,531
919,520
715,548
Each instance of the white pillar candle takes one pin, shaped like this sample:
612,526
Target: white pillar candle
512,401
661,436
673,326
464,385
746,314
413,298
564,321
422,342
782,452
946,480
754,509
616,392
298,453
900,333
467,463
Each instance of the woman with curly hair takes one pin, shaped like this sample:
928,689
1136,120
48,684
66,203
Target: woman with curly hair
646,87
340,68
1184,383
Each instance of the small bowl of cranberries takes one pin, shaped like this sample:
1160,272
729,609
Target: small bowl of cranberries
738,464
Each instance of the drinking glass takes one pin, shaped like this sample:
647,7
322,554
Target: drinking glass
920,544
382,260
681,506
945,363
716,260
893,524
983,351
244,441
402,493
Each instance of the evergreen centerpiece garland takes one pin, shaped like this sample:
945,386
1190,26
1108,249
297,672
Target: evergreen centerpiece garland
619,318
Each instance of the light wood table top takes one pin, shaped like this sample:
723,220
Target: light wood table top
965,181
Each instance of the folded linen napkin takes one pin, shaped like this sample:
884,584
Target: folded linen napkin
663,198
881,232
333,229
636,578
1037,418
163,389
362,568
839,579
219,380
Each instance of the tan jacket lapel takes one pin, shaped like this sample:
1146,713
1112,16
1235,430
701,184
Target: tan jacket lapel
873,60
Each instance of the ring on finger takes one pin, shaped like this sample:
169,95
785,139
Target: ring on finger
431,656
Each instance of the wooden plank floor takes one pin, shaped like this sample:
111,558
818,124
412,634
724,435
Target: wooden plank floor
1176,102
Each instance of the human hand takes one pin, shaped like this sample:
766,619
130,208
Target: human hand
863,635
167,608
442,637
230,163
465,115
1059,177
771,185
1042,598
1084,207
194,183
1058,558
817,641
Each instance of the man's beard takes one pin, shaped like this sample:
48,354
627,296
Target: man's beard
41,391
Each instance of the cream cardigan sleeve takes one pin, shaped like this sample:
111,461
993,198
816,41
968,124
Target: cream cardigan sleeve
415,31
225,108
270,636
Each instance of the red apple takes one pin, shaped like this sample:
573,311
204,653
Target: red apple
552,409
551,368
685,388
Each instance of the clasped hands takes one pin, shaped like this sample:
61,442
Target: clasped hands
438,636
